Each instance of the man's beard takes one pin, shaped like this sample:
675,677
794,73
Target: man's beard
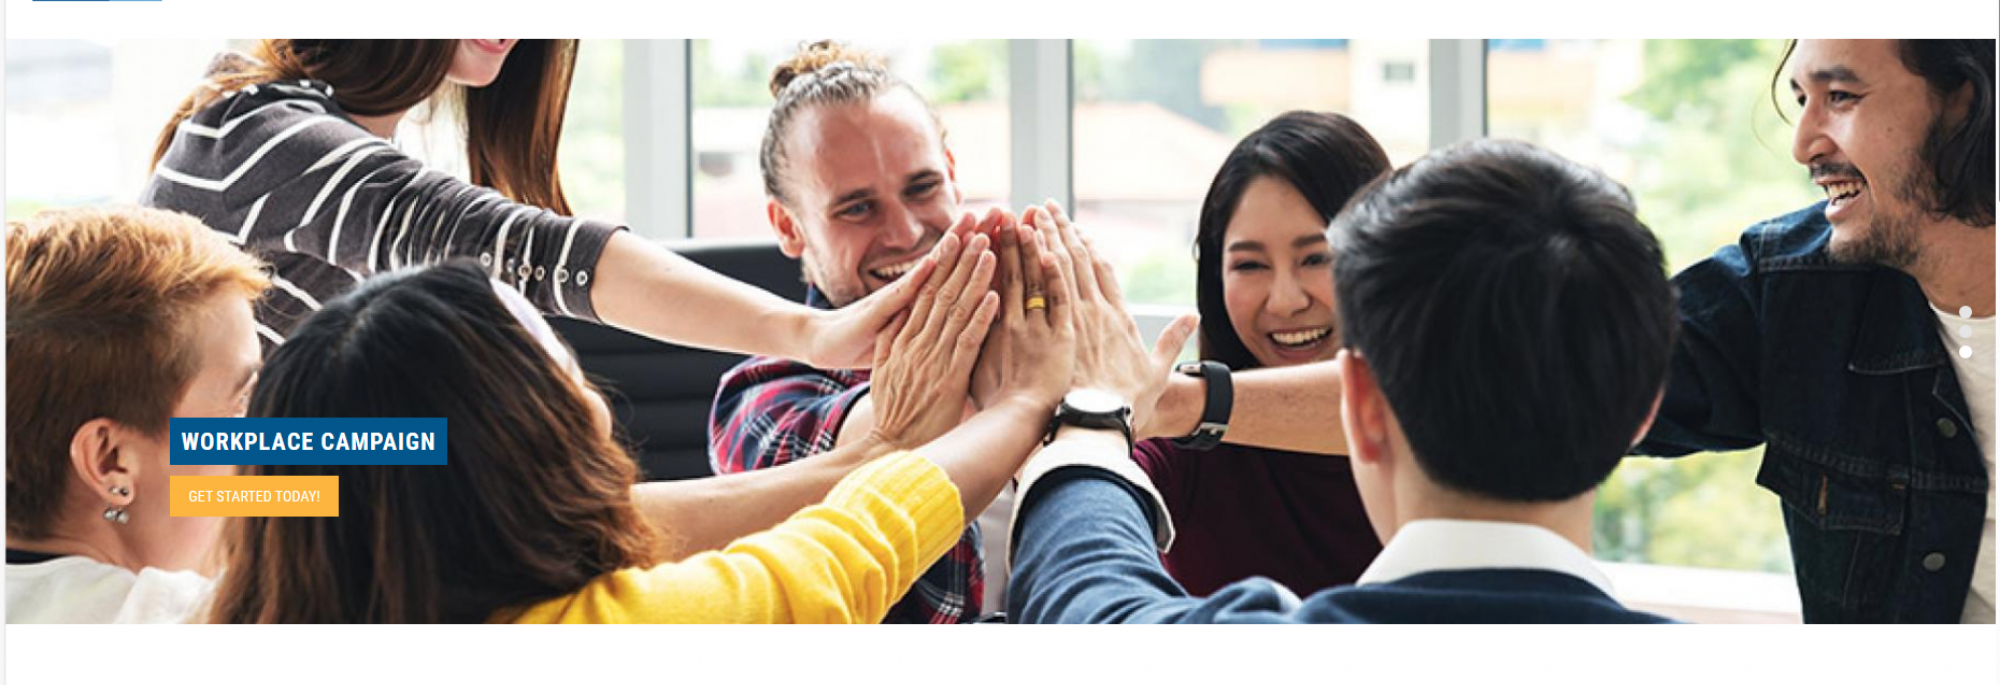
1888,239
838,292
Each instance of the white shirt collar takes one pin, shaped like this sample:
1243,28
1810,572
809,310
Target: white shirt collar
1459,545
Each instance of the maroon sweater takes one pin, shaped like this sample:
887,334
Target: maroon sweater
1241,512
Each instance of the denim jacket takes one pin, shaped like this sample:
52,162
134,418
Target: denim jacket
1839,371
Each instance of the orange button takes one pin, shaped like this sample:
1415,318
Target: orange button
255,495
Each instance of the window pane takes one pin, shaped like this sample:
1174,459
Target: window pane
83,117
592,156
966,81
1688,125
591,159
1155,118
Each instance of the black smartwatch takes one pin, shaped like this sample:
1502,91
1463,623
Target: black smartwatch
1090,408
1215,410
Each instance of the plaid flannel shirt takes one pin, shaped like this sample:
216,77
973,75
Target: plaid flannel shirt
771,411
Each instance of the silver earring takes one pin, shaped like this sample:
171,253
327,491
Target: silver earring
118,514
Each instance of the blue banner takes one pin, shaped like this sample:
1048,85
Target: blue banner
307,442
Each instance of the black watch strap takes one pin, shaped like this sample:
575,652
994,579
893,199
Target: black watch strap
1067,415
1123,423
1221,399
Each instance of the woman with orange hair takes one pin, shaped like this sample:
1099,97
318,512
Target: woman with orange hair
118,320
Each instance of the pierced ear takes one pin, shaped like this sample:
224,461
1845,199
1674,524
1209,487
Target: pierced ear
97,457
791,240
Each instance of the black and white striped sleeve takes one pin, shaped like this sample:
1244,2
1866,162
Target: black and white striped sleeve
279,170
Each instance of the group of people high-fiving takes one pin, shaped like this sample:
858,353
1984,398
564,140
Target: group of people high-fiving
1409,383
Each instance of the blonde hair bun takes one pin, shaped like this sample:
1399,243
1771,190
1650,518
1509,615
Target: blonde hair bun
822,57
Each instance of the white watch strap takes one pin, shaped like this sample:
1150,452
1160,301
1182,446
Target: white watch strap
1105,455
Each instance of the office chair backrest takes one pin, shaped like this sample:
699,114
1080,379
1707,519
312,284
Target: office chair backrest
660,393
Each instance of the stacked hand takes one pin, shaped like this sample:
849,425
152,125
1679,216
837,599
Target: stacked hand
1027,355
1037,317
845,338
1110,354
924,358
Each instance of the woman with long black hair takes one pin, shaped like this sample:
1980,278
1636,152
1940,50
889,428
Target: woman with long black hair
1264,286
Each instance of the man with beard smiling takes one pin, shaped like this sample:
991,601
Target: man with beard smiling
1854,339
861,185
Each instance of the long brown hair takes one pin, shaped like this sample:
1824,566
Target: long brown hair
512,126
534,502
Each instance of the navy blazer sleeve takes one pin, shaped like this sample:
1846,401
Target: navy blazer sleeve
1085,554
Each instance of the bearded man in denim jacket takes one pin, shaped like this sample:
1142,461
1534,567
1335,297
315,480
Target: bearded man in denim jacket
1854,339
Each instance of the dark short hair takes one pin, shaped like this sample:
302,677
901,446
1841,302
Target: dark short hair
1326,157
1957,160
1514,311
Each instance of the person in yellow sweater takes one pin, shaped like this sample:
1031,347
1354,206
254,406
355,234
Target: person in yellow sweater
535,519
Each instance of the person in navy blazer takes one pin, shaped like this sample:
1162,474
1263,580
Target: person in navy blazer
1507,326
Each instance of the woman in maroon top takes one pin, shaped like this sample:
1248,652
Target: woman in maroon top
1265,291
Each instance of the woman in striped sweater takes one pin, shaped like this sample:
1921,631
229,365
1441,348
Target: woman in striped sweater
290,155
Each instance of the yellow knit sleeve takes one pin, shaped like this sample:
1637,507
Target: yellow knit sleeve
845,560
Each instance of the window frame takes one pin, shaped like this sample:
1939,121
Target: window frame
1042,97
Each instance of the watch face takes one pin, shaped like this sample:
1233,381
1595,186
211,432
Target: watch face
1093,401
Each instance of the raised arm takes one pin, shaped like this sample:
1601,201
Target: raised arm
706,514
1089,525
849,558
1712,397
860,422
647,289
1285,408
844,560
328,188
922,369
